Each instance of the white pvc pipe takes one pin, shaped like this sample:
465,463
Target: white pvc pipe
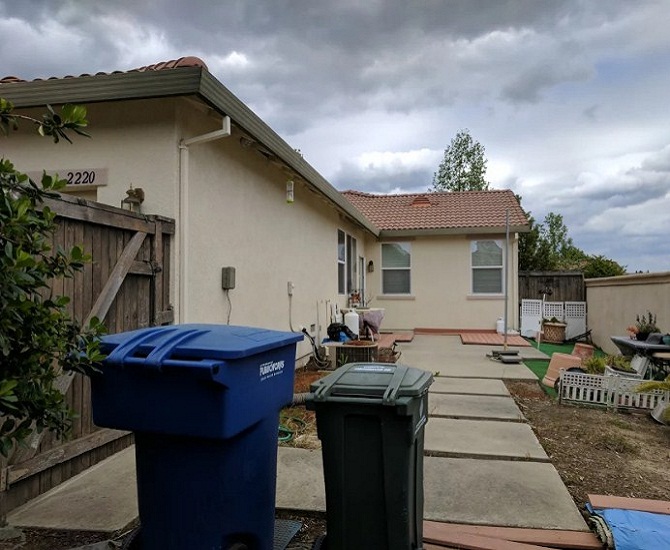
182,213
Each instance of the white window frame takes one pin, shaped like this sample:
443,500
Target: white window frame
384,269
347,267
500,268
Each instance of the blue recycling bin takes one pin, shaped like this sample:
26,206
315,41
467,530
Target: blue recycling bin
203,401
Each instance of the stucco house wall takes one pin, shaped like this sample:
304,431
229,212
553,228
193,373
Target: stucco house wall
235,211
614,302
441,286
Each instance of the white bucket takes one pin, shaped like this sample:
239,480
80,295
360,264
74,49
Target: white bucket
351,320
500,326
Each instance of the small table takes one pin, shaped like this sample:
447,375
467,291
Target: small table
629,347
655,352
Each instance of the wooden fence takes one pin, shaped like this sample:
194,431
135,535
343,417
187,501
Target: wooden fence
563,286
127,286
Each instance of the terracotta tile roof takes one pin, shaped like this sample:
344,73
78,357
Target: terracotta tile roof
189,61
439,211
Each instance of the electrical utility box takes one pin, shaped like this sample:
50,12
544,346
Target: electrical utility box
227,278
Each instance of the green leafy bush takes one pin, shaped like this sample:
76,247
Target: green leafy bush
37,336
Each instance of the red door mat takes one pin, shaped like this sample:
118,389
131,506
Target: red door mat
493,339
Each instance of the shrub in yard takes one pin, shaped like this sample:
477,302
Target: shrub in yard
37,336
620,363
594,365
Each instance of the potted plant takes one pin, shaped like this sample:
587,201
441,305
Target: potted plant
644,326
619,363
594,364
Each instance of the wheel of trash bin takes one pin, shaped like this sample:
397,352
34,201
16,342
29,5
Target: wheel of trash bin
320,543
131,541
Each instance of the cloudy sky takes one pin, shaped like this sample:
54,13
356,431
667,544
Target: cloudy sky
570,98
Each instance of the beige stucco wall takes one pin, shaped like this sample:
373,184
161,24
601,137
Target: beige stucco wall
236,212
614,302
441,296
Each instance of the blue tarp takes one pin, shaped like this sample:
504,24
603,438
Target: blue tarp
633,530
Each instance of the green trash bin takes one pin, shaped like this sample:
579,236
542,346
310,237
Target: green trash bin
370,420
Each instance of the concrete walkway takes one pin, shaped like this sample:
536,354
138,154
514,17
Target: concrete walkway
483,464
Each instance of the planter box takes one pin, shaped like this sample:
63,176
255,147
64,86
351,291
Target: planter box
350,353
554,333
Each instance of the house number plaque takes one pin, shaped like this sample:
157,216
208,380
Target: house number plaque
76,177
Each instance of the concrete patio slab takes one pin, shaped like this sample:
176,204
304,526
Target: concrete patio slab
103,498
482,439
465,367
300,484
487,407
468,386
452,344
498,492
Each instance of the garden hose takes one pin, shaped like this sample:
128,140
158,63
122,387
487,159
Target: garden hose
286,433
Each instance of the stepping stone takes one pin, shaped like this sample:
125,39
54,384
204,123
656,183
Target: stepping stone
498,492
300,484
474,407
482,439
472,386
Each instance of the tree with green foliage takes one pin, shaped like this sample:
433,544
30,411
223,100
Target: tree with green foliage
38,339
463,167
547,247
600,266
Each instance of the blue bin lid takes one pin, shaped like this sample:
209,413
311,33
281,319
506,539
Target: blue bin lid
197,341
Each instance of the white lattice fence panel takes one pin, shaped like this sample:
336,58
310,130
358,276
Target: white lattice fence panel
611,391
531,317
553,309
626,397
584,388
575,318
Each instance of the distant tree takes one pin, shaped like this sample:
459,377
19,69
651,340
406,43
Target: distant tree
547,247
528,247
555,234
463,167
600,266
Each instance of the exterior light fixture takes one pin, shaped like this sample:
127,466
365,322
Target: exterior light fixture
290,197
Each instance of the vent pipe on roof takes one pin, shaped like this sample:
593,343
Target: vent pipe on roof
421,200
182,215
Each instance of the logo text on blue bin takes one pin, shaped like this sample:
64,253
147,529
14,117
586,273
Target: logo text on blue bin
270,369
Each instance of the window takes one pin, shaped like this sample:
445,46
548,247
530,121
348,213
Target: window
487,267
396,265
347,271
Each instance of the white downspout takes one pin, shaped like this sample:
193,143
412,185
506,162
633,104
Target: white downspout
182,214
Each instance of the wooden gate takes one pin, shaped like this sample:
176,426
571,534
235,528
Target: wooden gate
126,285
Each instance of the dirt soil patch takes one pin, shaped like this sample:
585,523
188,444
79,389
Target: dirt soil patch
598,451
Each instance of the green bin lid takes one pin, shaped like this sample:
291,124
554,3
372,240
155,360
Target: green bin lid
387,381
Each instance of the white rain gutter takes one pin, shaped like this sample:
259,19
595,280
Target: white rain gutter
182,214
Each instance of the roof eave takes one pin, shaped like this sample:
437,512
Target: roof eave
400,233
183,81
222,99
103,88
